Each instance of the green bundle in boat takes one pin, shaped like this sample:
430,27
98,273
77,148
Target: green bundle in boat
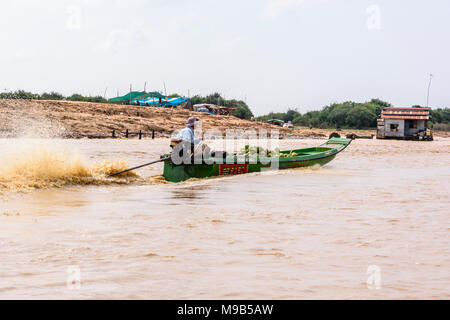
257,151
248,151
289,155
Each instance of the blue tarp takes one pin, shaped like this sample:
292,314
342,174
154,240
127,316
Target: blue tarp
171,102
203,109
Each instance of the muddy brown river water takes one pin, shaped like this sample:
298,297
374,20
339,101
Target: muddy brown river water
371,224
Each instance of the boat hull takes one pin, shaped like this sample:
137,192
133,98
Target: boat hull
307,157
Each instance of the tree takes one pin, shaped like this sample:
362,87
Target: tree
347,114
51,96
379,102
79,97
76,97
19,94
240,109
290,115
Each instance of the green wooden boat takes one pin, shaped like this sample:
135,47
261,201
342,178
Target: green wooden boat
232,165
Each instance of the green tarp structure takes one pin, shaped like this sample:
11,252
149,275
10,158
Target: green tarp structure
274,121
133,95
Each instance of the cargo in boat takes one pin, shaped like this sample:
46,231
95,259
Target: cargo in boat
233,165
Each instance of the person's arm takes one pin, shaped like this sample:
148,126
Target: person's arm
184,135
192,137
187,135
197,141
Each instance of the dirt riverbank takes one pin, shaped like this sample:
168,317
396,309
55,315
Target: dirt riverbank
69,119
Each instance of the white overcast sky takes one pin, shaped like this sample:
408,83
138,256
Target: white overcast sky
275,53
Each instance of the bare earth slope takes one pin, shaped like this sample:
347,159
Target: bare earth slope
70,119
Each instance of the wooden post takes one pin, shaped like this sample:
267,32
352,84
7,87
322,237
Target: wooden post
130,92
153,134
140,134
114,133
126,133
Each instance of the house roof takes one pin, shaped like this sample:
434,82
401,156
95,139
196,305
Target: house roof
407,117
406,108
406,113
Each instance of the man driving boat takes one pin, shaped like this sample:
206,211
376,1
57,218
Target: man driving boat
186,141
187,134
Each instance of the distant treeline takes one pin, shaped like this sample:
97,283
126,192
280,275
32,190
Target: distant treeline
21,94
349,114
441,118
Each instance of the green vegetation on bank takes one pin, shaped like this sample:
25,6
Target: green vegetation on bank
441,119
21,94
336,115
349,114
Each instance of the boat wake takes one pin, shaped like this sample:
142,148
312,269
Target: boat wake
34,164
